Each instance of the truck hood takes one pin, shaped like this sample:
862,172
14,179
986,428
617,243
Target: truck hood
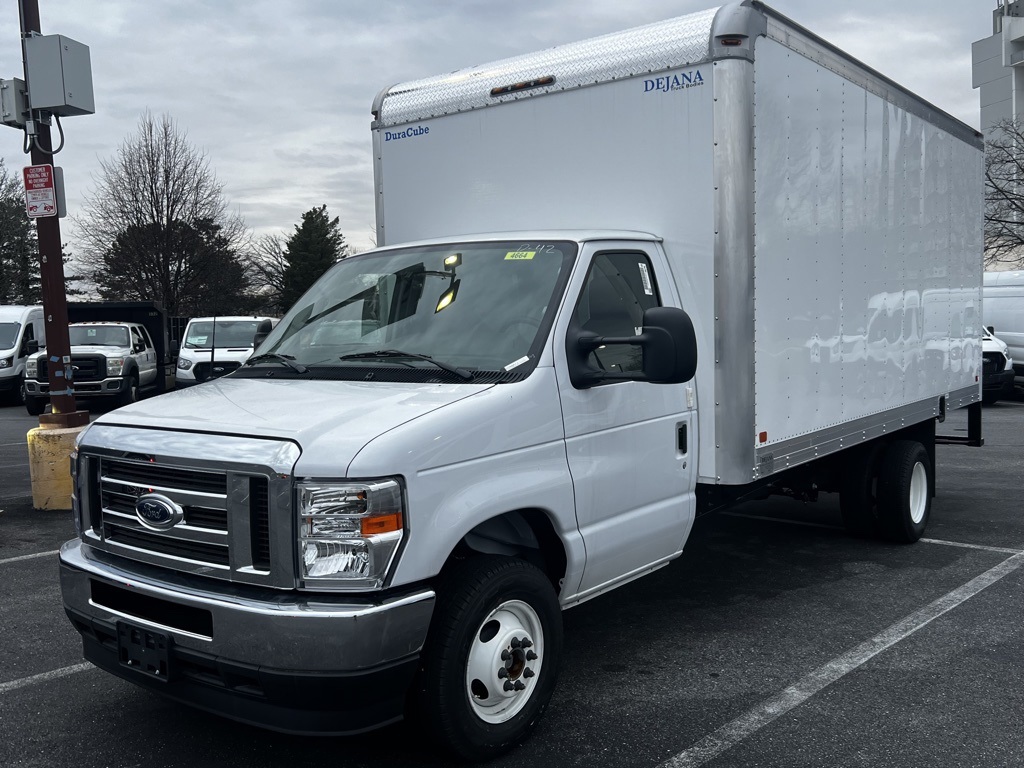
89,349
330,420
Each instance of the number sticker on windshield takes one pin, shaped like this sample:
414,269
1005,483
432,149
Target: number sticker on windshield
519,255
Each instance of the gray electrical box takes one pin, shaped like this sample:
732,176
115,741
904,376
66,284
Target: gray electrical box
59,75
13,104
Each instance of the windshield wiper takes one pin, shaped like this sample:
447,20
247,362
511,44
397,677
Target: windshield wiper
462,373
283,359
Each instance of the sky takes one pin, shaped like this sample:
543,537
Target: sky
277,93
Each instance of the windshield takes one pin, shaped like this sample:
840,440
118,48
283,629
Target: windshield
228,333
9,335
98,336
479,306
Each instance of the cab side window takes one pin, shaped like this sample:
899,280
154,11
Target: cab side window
138,344
619,288
26,338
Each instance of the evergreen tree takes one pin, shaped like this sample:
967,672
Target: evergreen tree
198,273
315,247
19,248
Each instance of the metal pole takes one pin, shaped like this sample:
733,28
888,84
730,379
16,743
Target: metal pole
51,267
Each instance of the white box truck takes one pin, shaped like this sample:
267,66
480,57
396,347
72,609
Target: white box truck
621,282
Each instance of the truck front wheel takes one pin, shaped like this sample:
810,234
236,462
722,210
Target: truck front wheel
491,659
131,392
34,405
904,500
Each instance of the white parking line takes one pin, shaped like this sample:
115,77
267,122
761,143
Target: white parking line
1002,550
732,733
44,677
28,557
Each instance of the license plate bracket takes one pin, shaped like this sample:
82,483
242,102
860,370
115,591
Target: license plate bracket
144,650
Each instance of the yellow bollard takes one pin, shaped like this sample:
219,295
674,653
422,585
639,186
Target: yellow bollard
49,465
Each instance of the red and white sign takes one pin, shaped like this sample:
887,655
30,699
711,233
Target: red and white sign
40,197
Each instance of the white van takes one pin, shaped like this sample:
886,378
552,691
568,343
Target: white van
18,326
1003,310
214,346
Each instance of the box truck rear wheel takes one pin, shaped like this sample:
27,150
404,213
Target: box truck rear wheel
491,658
904,500
858,501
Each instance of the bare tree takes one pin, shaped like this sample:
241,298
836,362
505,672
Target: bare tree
1004,196
267,266
157,225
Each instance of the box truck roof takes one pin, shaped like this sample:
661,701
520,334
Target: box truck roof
728,31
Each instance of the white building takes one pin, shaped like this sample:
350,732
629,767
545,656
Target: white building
998,66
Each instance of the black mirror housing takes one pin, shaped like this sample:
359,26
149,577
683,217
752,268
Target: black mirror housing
32,345
262,331
669,346
670,354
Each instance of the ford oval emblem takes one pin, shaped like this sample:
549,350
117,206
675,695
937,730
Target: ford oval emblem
157,512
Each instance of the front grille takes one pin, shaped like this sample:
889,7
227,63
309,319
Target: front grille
203,536
259,505
207,371
85,368
159,542
993,362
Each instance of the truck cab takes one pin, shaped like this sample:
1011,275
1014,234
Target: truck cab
110,361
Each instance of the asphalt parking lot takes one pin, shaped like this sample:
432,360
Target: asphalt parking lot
776,640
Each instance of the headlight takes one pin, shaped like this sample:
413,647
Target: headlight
349,533
5,362
114,366
31,368
184,364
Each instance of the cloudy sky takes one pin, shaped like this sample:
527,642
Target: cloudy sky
278,92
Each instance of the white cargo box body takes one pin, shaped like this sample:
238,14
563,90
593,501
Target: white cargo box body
823,225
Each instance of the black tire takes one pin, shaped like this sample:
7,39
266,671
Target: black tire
858,502
904,491
17,394
482,604
34,405
131,392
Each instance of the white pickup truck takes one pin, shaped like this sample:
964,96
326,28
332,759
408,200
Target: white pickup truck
109,361
603,273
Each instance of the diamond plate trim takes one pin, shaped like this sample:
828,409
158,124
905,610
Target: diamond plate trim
652,48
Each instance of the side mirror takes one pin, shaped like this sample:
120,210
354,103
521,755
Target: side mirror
32,346
175,347
669,347
262,331
992,330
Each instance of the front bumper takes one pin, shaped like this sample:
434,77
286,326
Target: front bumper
998,383
298,663
110,387
9,383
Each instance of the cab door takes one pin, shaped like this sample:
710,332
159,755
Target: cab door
145,355
628,443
